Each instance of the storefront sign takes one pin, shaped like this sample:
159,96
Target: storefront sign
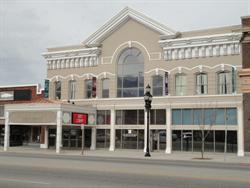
79,118
6,95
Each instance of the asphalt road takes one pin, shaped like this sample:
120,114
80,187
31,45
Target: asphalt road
49,171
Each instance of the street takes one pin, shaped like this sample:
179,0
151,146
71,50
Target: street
47,171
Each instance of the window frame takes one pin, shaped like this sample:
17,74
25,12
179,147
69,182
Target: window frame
182,87
199,84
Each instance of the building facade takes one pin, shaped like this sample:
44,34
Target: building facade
19,94
193,78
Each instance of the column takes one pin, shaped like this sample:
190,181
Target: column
93,138
6,132
169,132
112,131
59,132
44,137
240,132
145,131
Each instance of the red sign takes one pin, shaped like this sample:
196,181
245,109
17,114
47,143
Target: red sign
79,118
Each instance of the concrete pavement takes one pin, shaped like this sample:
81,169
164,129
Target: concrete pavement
138,154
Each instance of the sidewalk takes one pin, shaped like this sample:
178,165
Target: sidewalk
138,154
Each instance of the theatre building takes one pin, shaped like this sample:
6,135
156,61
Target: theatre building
193,77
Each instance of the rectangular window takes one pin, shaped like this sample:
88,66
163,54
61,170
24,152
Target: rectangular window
58,90
224,84
234,78
231,116
105,88
180,84
129,117
103,117
201,83
220,116
209,116
1,111
90,88
198,116
176,116
187,117
157,82
72,89
158,117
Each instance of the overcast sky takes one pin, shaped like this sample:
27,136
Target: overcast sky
28,27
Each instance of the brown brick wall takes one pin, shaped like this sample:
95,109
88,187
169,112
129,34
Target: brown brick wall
34,95
245,21
246,55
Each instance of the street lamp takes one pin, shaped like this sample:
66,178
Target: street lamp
148,99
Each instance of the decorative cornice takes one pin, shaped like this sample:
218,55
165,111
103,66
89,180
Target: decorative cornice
121,18
201,46
87,57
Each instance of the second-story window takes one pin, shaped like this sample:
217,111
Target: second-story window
72,89
1,111
90,88
157,82
201,83
223,82
105,88
180,84
58,90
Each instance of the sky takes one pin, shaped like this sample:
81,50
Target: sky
28,27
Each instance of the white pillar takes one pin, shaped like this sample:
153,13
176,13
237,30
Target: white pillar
240,135
145,131
169,132
6,132
59,132
93,138
112,131
45,145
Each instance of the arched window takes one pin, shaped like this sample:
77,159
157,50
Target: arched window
201,83
58,90
157,82
180,84
130,79
90,88
224,82
105,88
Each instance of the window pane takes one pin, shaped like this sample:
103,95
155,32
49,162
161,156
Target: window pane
130,117
220,116
130,73
198,117
176,116
231,116
141,117
187,117
100,117
105,88
209,116
119,117
160,117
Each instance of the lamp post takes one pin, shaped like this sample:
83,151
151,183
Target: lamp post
148,99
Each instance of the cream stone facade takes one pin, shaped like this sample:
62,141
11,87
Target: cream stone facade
193,76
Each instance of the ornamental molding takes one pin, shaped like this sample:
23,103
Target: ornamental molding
122,17
201,46
200,68
86,76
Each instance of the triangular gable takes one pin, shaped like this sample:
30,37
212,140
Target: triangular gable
121,18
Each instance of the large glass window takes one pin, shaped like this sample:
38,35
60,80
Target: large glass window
130,117
223,82
201,83
105,88
103,117
102,138
72,89
180,84
157,82
158,117
58,90
204,116
130,80
90,88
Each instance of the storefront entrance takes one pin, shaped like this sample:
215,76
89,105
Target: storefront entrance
72,138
